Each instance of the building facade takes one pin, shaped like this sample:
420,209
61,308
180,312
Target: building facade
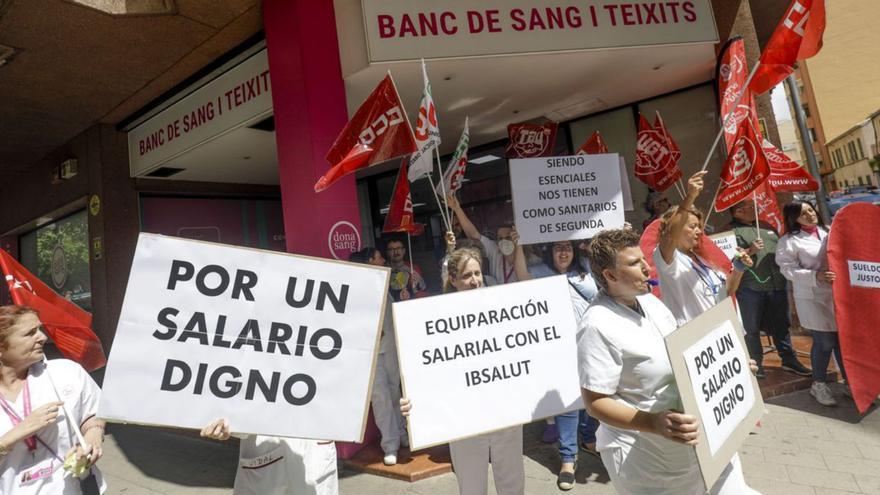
851,155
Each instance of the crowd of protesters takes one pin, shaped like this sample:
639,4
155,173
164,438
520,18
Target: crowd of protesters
630,417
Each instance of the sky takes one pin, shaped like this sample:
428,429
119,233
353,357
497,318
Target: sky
780,103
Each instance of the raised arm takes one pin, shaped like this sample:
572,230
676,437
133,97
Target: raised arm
466,225
669,239
519,258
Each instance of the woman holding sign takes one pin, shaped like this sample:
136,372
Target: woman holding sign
802,259
689,282
503,448
561,258
40,412
628,384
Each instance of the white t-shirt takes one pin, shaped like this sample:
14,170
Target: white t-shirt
502,271
81,396
688,288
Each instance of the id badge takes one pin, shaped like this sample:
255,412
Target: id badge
38,472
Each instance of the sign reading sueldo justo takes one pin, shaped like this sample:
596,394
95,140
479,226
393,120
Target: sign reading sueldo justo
412,29
276,343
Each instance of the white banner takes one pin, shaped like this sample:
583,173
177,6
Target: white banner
726,241
412,29
711,367
864,274
566,197
278,344
486,359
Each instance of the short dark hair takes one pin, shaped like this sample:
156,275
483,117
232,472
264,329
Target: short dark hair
363,256
602,252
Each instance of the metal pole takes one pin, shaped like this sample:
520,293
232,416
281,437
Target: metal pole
808,147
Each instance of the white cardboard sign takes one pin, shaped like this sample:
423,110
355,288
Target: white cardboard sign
625,188
864,274
566,197
711,367
486,359
726,241
277,344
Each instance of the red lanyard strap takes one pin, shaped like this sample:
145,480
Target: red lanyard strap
31,441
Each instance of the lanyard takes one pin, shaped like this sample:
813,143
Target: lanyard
705,274
507,273
31,441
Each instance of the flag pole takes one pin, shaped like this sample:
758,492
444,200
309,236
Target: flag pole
440,206
729,115
412,270
678,188
757,217
79,436
443,187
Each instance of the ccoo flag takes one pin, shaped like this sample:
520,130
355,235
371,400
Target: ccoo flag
67,324
379,131
594,146
452,179
798,36
400,217
427,133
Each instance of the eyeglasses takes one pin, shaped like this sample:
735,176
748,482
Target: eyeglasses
396,250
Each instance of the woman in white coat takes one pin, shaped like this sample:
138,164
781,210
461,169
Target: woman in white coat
802,259
503,448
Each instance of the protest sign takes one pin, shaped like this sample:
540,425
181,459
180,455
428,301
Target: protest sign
625,188
726,241
566,197
486,359
277,344
711,367
864,274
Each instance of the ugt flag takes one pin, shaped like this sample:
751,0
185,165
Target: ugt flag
379,131
744,171
670,143
594,146
785,173
452,179
67,324
731,74
400,217
798,36
655,161
427,132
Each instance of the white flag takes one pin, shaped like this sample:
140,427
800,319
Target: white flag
427,133
452,179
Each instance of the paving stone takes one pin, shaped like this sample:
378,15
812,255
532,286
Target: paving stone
801,458
776,487
869,484
852,465
823,478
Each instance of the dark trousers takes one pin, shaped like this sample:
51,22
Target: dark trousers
768,311
824,343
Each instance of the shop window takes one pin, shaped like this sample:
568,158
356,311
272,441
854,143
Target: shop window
58,254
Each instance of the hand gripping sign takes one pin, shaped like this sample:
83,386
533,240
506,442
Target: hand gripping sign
277,344
486,359
711,367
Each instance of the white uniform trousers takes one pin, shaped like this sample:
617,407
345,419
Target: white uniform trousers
471,458
386,402
286,466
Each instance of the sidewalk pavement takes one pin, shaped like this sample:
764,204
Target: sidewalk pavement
802,448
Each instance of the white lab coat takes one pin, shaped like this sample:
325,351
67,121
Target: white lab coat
286,466
799,257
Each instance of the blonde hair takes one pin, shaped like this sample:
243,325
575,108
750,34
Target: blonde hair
456,261
664,231
9,316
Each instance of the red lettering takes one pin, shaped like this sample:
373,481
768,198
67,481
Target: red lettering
407,27
610,9
593,15
536,21
475,21
690,15
428,24
674,7
573,17
626,12
493,21
519,22
651,12
451,28
386,26
554,17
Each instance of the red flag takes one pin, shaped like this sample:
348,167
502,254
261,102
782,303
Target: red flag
785,173
594,146
67,324
731,74
746,168
768,207
798,36
854,258
670,143
400,216
655,161
379,131
531,140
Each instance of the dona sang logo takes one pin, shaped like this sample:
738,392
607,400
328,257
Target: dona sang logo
343,240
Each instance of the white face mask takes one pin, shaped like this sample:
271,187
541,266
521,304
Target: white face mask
506,247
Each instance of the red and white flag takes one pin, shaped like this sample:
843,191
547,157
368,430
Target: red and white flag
746,168
594,146
531,140
67,324
400,217
798,36
785,173
427,132
379,131
453,178
655,161
670,143
768,207
731,73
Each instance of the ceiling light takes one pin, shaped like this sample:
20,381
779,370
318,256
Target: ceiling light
484,159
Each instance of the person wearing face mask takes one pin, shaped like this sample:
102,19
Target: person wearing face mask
503,449
499,252
386,380
802,260
561,258
690,284
628,384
